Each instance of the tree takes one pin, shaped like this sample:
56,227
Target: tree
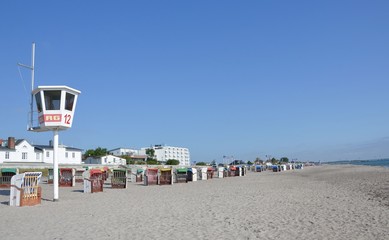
172,162
129,159
152,161
274,161
98,152
249,163
201,164
150,152
150,156
284,160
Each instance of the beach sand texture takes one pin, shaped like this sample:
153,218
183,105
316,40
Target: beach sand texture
325,202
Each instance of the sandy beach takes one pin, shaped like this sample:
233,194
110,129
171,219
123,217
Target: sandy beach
325,202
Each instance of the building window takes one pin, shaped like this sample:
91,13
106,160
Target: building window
6,155
73,155
47,154
24,156
67,155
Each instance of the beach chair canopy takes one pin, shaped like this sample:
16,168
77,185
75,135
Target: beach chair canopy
182,170
139,171
8,170
152,171
94,171
166,169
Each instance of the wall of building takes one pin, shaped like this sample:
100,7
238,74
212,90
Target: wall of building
25,152
164,153
105,160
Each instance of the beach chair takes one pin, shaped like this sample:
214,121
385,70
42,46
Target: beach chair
66,177
238,171
181,175
220,172
210,172
151,176
192,174
232,171
25,189
225,172
93,181
166,176
50,176
105,173
139,175
78,175
283,167
119,178
243,170
5,176
203,173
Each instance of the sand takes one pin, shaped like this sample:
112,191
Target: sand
325,202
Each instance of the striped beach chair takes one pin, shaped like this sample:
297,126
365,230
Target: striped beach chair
25,189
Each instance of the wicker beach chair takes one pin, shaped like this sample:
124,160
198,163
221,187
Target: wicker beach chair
166,176
210,172
25,189
66,177
5,176
192,174
151,176
93,181
119,178
78,175
182,175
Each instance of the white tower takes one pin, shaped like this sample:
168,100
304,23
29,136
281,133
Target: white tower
55,106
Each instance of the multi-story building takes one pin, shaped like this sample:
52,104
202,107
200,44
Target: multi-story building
21,151
164,153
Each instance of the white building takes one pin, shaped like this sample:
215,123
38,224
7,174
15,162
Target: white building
164,153
66,155
21,151
105,160
123,151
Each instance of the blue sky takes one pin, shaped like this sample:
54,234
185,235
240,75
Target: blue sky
303,79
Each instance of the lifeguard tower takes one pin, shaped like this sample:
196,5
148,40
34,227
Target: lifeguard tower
55,112
55,107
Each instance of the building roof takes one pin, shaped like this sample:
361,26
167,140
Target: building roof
41,147
17,142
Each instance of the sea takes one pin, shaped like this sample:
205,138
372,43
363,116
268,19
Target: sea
375,162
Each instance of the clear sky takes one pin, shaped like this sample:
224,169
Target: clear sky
307,80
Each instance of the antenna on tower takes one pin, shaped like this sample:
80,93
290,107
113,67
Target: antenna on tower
32,68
